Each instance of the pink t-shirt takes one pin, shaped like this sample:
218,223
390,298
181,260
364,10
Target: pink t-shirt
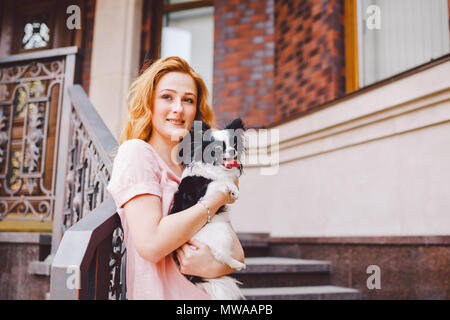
138,169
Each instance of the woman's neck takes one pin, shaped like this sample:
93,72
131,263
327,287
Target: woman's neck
164,149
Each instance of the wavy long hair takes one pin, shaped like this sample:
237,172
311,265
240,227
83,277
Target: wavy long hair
138,123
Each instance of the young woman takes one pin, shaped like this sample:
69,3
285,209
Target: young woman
162,103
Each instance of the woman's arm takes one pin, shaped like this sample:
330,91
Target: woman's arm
154,236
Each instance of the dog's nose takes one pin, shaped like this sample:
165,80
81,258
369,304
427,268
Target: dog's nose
232,157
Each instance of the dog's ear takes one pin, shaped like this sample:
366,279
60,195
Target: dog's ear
205,126
235,124
197,137
238,128
198,124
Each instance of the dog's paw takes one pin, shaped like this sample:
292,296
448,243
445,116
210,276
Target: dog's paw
235,264
215,186
234,192
225,187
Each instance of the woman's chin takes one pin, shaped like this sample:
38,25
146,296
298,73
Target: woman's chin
176,133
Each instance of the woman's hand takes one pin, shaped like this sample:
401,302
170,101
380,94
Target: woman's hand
196,259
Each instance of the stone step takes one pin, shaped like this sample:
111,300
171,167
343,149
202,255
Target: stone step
254,244
301,293
283,272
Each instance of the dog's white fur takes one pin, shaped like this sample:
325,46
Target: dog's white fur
218,234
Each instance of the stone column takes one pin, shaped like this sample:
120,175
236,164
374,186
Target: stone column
115,58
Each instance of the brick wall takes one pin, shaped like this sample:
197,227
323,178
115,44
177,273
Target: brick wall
244,61
273,59
276,59
86,50
310,56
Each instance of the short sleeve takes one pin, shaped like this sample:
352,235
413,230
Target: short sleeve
135,171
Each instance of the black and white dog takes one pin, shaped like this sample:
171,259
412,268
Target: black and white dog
212,164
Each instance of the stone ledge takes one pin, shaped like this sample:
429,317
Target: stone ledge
42,268
25,237
302,293
283,265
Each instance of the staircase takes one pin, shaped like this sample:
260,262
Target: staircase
278,278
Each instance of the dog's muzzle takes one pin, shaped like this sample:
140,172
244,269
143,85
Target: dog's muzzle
231,164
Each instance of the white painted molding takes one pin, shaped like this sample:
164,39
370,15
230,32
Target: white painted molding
418,101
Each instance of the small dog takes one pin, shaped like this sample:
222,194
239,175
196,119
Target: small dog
212,165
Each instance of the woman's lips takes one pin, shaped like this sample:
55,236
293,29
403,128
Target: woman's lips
175,122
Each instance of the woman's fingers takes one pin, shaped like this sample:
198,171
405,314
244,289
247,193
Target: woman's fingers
180,257
197,244
187,250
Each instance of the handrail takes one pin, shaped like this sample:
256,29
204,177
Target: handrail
103,140
43,54
78,254
90,260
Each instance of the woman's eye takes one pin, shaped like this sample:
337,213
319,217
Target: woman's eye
166,97
189,100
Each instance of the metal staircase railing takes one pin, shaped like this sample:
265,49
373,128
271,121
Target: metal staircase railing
32,124
90,260
56,157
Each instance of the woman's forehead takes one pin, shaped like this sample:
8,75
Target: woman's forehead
178,82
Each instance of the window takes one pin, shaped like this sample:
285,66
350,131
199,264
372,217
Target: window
188,32
393,36
35,27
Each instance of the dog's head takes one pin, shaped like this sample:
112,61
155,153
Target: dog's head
222,148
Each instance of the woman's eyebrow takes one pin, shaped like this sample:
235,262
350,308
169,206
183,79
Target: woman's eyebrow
188,93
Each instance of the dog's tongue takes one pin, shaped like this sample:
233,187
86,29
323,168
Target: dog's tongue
231,164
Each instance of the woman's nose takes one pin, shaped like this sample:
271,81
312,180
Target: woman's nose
177,105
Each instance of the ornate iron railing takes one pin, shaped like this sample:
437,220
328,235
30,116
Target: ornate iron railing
56,158
31,102
90,260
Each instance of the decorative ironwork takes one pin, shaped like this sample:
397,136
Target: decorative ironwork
116,283
30,102
86,180
87,176
36,35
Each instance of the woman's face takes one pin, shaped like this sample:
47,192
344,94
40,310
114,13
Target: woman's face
174,106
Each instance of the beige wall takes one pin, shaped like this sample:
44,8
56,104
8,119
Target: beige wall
376,164
115,58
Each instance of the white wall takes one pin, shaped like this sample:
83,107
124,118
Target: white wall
375,164
115,58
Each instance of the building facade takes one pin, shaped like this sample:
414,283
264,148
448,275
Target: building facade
349,101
